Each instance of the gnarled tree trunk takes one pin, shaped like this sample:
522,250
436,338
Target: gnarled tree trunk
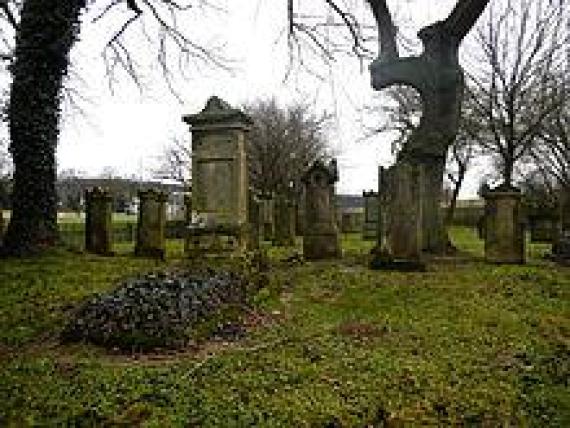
438,77
45,35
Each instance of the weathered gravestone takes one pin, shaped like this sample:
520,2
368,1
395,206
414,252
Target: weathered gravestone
187,218
542,226
2,226
267,218
254,220
371,206
321,239
400,216
284,213
352,220
561,247
219,179
98,221
504,227
151,224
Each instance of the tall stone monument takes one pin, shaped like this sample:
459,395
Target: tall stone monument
151,224
219,179
504,227
321,239
98,221
371,206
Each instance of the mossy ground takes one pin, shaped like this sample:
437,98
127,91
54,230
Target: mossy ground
340,345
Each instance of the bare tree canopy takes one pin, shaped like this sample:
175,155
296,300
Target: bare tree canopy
282,144
514,78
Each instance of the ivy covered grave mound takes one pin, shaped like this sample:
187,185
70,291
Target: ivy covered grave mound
163,310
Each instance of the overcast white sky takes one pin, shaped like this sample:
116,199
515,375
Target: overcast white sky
128,130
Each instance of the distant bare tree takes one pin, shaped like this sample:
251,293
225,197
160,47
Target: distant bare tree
175,161
522,48
282,144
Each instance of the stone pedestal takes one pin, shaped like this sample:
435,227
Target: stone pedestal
504,227
321,239
98,221
371,206
151,224
284,222
219,179
404,212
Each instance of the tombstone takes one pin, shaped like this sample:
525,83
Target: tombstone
151,224
321,239
2,226
267,218
98,221
403,184
254,220
504,227
219,179
284,222
187,218
542,227
561,247
371,206
351,220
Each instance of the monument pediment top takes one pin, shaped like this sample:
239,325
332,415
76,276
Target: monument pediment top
217,111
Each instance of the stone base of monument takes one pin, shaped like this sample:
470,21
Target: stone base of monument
221,240
322,246
381,259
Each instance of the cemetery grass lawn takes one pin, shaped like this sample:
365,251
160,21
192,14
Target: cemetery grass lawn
332,343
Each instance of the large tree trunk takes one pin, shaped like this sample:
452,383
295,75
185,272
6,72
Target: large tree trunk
46,33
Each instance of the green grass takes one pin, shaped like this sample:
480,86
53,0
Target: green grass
465,343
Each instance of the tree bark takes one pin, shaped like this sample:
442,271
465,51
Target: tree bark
438,77
45,35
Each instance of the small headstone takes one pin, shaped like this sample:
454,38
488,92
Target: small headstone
371,208
151,224
254,220
267,218
404,211
561,247
284,213
321,239
98,221
504,227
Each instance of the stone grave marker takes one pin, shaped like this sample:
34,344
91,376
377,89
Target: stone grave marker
504,227
371,213
219,179
98,221
284,212
151,224
321,239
